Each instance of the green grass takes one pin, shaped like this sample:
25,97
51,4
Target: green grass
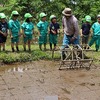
35,54
9,57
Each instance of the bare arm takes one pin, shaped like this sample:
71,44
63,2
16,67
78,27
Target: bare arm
22,32
91,32
10,34
80,32
1,32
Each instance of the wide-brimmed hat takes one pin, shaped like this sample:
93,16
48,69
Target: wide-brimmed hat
67,12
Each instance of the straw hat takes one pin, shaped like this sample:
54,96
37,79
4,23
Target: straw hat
67,12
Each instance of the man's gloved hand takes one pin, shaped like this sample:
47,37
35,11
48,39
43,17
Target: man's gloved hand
72,39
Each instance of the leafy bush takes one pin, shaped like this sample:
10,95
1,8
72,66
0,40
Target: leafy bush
9,58
25,57
41,55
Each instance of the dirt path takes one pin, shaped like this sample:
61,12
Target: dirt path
36,80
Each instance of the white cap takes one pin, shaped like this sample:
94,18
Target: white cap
98,16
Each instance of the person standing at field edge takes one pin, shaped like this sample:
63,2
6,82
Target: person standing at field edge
96,34
85,30
14,27
54,30
43,30
27,30
3,30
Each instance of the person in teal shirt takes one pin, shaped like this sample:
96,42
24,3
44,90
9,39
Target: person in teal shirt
96,34
43,30
14,28
27,30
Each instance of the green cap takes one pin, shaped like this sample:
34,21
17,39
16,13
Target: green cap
88,18
15,13
2,15
27,15
42,15
52,16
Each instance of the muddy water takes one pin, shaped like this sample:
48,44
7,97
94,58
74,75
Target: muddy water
41,80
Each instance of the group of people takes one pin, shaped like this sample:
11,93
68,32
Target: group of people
70,30
16,29
72,33
91,30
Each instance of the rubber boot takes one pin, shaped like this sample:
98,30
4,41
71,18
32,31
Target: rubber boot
40,46
13,50
17,48
54,46
44,47
50,46
24,48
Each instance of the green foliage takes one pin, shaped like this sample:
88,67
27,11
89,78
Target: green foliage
41,55
80,7
9,57
23,57
15,57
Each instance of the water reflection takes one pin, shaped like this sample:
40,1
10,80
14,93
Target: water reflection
17,69
13,68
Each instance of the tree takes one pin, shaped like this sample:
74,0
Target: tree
80,8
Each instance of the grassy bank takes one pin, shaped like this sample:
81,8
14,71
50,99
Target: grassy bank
35,54
9,57
21,56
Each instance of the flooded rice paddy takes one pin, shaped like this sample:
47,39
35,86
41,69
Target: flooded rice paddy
41,80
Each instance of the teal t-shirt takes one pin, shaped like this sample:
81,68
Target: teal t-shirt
96,28
43,27
28,27
14,26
